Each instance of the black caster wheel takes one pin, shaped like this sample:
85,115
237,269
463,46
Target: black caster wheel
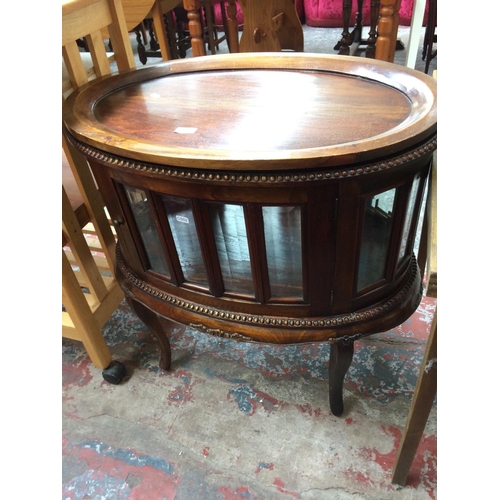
114,372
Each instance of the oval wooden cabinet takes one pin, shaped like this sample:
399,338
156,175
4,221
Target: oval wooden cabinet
264,197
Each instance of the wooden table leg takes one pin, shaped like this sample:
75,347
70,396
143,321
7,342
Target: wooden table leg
372,35
345,43
195,28
387,30
154,324
340,359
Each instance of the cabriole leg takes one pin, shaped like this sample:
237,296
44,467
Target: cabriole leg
340,360
152,321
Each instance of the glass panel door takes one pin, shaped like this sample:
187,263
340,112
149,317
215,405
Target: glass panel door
375,240
283,238
141,210
410,209
228,223
182,225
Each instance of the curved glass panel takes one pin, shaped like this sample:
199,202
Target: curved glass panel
410,208
283,237
141,210
228,223
181,221
376,237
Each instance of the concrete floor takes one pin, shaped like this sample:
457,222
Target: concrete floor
242,421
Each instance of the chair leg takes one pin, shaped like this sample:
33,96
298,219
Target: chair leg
344,44
82,317
420,408
430,35
372,35
340,359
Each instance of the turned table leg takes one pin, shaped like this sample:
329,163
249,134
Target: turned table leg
340,360
153,322
141,50
345,43
195,29
357,32
372,35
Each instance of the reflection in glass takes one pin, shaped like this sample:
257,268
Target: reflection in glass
181,221
376,236
228,222
283,237
408,217
141,209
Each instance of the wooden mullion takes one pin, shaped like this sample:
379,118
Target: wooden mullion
116,205
320,219
417,211
349,210
201,213
397,225
404,192
131,226
257,249
170,251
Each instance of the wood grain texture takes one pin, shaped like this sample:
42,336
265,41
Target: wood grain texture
346,111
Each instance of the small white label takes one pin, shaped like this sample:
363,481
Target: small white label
185,130
183,219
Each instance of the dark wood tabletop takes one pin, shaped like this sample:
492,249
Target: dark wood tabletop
272,110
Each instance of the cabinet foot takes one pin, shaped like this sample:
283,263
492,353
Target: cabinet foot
153,322
340,360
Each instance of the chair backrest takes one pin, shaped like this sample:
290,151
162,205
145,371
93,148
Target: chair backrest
90,291
268,26
86,19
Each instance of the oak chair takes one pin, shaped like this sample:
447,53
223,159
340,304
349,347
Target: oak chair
90,292
269,26
387,30
178,38
150,13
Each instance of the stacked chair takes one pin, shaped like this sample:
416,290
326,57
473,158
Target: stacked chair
90,292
